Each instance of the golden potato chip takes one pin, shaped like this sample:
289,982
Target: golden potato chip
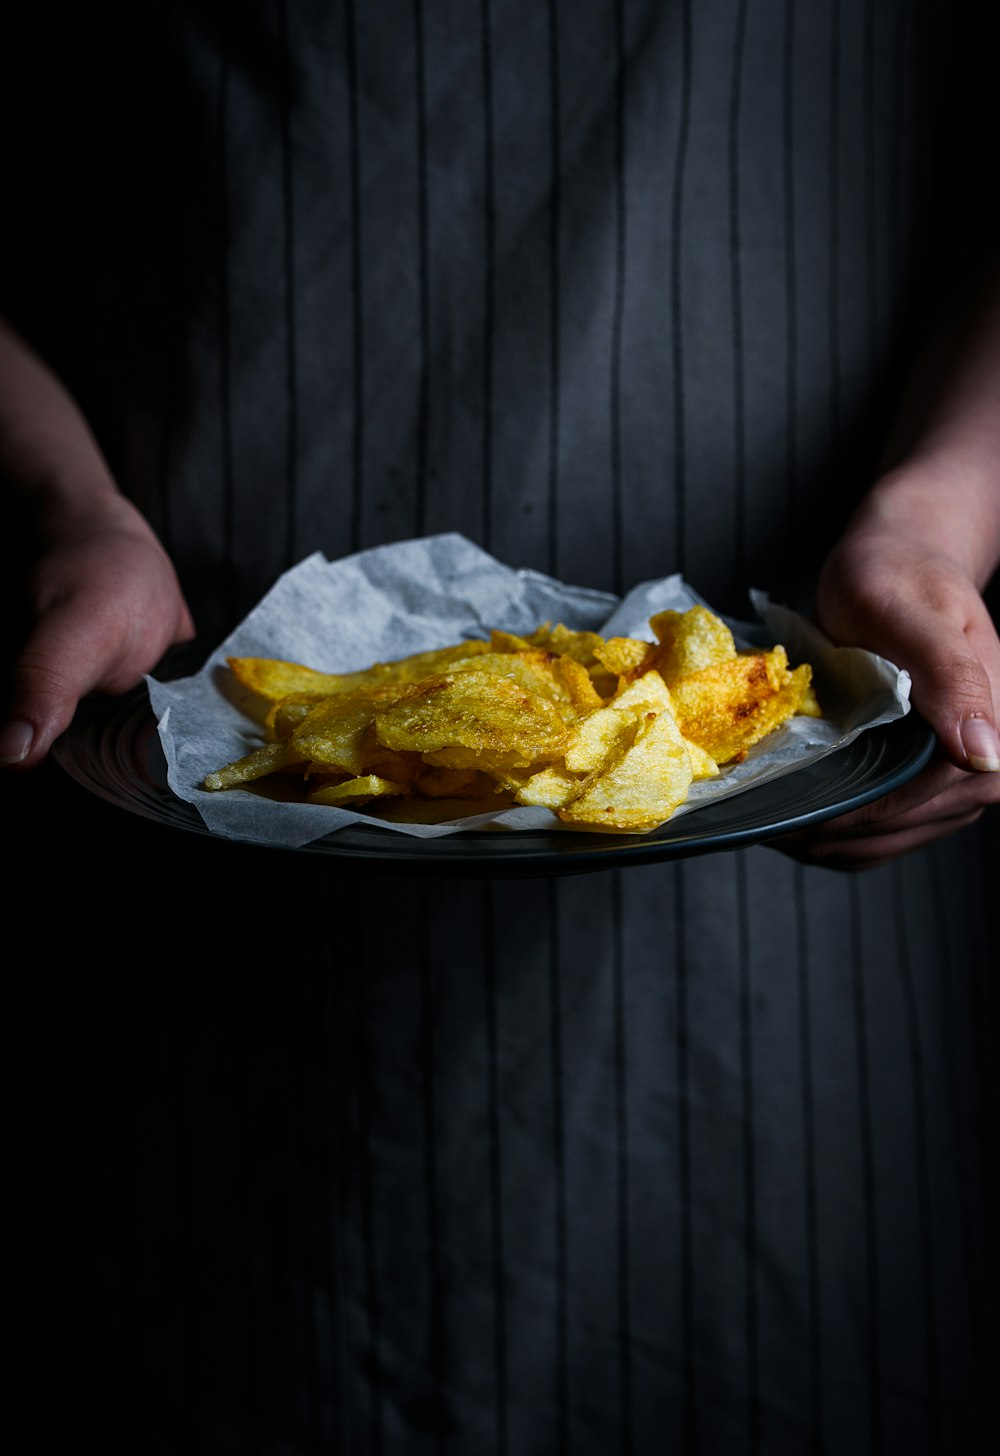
579,683
690,641
534,668
549,788
509,642
729,707
643,693
809,705
403,768
641,788
285,714
338,731
703,765
473,720
622,655
567,643
357,790
587,727
268,759
601,734
272,679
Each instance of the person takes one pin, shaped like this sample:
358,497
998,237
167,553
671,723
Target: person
696,1152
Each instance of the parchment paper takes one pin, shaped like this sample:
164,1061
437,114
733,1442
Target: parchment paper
412,596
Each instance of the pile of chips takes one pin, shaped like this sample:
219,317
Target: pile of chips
608,733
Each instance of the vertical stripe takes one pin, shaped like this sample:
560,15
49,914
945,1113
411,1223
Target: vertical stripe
357,281
423,270
833,300
949,981
225,338
791,278
333,1115
303,1176
749,1160
621,1133
496,1171
814,1324
978,1020
736,287
690,1421
677,291
246,1225
897,190
291,364
555,274
168,398
188,1121
558,1175
373,1309
435,1321
870,195
489,288
923,1201
618,305
868,1186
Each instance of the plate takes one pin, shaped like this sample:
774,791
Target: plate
112,749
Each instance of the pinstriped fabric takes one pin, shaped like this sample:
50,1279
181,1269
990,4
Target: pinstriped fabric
873,1304
695,1156
469,308
793,528
289,249
676,319
812,1327
358,373
554,310
736,294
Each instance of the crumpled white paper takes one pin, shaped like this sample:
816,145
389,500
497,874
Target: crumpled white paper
412,596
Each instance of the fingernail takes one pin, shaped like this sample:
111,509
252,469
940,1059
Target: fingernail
981,744
15,743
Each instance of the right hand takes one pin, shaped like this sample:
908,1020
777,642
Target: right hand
105,605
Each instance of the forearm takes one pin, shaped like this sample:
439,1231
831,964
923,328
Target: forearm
941,479
103,598
47,450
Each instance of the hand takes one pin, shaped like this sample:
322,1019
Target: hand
919,608
106,605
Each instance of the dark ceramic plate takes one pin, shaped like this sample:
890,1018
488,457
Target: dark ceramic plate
113,750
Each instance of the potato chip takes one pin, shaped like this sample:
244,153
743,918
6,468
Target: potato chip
689,641
272,679
601,733
607,733
567,643
357,790
580,647
623,655
285,714
643,786
268,759
549,788
579,683
337,732
474,720
534,668
729,707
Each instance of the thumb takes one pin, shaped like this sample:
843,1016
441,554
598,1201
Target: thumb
955,673
61,661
